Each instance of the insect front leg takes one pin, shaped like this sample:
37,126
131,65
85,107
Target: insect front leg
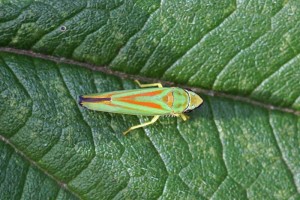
148,85
183,116
154,119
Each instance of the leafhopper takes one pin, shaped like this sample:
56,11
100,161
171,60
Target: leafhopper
156,101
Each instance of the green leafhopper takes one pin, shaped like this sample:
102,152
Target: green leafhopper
160,101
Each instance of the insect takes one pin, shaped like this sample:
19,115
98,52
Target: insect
156,102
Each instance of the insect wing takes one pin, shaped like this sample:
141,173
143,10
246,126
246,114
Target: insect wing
134,102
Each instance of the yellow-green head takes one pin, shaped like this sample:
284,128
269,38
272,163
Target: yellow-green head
195,101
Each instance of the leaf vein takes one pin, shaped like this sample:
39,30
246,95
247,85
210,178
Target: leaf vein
192,47
93,31
24,179
43,170
280,150
156,48
242,50
26,93
134,35
147,133
278,70
83,119
55,27
105,69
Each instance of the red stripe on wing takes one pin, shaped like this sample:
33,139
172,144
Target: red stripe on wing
153,93
146,104
131,99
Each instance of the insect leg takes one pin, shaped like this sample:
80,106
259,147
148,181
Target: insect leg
154,119
148,85
184,117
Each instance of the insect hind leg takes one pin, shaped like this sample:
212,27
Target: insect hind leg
148,85
154,119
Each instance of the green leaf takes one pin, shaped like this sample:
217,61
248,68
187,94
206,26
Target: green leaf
51,148
238,47
20,179
225,146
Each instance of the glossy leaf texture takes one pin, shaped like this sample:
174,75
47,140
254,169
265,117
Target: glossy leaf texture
238,47
50,146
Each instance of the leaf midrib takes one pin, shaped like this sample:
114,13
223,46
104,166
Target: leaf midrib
107,70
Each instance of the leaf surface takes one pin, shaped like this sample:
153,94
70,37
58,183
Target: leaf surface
52,148
238,47
226,145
